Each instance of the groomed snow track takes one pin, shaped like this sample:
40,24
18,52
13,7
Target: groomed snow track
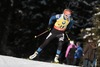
7,61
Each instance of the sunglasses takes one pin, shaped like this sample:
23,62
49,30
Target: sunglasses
68,15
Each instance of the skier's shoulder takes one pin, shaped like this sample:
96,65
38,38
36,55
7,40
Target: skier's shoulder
58,15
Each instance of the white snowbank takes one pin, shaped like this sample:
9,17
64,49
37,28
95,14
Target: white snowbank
7,61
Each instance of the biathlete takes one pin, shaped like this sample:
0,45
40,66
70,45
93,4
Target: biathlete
63,22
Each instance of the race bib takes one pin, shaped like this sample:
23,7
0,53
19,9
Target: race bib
61,23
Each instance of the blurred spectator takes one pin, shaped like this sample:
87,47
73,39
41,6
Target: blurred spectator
70,53
78,54
89,53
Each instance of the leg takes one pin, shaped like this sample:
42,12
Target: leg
75,60
85,63
61,39
58,52
94,62
59,47
47,40
67,60
89,63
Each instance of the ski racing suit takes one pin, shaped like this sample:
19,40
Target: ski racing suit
58,30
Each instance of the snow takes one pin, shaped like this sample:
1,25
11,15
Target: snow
8,61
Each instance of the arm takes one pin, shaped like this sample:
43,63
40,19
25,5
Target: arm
94,46
67,51
55,17
70,24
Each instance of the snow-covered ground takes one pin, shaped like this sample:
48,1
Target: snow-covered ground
7,61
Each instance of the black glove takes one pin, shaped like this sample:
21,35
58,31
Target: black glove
66,32
49,27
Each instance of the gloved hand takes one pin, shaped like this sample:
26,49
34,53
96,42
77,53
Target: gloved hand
66,32
49,27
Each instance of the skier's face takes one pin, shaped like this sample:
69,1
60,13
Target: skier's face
67,16
67,13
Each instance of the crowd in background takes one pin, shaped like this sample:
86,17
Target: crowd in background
81,56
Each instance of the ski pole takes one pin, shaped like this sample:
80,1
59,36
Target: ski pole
42,33
67,36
